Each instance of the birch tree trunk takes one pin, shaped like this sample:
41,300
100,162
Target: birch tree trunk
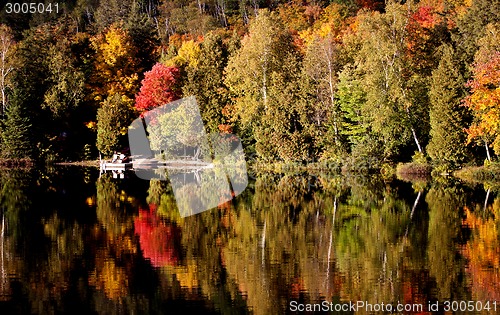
6,42
488,156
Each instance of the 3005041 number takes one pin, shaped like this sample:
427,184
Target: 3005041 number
471,306
31,7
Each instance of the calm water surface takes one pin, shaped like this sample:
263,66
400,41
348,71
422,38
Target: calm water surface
72,242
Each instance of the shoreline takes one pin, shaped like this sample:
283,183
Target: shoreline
94,163
489,173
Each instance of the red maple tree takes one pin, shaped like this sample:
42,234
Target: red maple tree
158,87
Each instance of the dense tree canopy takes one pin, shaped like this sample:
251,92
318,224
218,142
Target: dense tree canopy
296,81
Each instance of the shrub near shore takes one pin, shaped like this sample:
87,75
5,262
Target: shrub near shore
418,166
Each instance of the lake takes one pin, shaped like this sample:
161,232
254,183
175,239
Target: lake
74,242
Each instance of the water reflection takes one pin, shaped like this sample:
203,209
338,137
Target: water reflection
72,242
158,239
483,250
445,239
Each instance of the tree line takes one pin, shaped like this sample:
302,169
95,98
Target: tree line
297,81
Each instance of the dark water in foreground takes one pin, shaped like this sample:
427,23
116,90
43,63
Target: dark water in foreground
74,243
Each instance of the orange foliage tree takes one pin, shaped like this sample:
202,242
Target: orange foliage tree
423,38
484,102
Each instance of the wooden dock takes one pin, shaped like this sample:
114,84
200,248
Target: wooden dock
142,164
109,166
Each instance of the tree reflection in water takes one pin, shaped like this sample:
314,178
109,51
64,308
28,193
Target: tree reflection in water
104,245
156,237
483,250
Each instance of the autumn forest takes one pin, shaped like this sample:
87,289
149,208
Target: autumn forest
341,82
330,98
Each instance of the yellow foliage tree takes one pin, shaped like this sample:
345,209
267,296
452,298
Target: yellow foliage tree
115,66
188,55
329,25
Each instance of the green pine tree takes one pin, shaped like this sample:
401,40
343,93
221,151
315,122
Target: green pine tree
351,98
17,140
447,116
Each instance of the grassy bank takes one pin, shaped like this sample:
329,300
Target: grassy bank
480,173
94,163
413,169
28,163
290,167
